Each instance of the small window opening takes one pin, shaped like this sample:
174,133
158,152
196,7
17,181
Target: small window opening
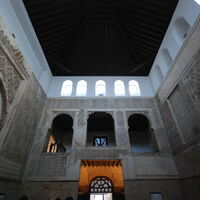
100,141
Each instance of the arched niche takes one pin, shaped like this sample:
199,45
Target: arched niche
167,58
60,135
158,73
100,130
141,134
181,29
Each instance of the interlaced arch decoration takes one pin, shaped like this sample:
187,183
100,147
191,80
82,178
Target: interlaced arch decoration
101,184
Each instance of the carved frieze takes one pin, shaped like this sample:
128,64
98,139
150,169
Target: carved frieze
81,118
47,166
12,72
120,119
15,54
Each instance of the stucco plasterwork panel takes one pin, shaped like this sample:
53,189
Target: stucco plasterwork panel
47,166
192,79
184,116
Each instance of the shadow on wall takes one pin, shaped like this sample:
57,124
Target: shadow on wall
141,135
100,130
60,135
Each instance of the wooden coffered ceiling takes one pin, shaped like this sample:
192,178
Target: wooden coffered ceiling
100,37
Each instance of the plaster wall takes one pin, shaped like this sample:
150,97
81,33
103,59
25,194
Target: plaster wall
143,189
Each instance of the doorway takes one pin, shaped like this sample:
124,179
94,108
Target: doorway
101,188
101,180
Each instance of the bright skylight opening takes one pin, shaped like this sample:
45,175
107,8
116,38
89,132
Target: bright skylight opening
100,88
67,88
81,88
134,89
198,1
119,88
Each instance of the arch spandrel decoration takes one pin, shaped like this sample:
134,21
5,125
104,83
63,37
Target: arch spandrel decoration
56,113
101,184
106,111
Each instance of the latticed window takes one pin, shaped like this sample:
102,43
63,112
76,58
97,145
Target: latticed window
101,185
101,141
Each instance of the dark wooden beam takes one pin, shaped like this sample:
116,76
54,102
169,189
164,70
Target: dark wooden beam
136,5
61,66
54,23
76,39
58,5
140,66
140,19
124,37
140,35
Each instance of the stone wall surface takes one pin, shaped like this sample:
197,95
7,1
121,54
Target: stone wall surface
19,139
49,190
10,189
22,102
26,117
181,115
142,189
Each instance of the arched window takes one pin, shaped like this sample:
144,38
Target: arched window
181,29
134,89
81,88
167,58
67,88
119,88
60,135
100,88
